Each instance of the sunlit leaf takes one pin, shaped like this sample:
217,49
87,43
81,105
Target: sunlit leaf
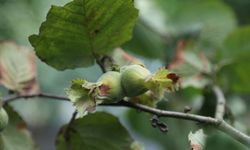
18,68
96,131
74,33
162,80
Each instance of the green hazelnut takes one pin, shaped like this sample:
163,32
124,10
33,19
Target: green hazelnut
4,119
133,80
110,86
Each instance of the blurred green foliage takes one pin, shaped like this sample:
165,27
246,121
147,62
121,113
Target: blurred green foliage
219,28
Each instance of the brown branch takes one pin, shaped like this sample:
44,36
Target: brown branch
220,124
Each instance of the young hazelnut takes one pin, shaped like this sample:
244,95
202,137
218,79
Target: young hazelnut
133,80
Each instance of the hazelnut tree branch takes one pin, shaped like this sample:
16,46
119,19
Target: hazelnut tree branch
217,123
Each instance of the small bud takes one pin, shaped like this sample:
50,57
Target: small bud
187,109
4,119
133,80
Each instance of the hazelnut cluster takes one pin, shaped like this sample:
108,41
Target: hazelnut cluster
133,82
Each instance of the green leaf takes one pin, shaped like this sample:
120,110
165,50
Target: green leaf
74,33
237,45
16,136
18,68
235,75
96,131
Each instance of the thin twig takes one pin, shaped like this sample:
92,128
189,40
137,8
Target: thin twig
41,95
164,113
221,102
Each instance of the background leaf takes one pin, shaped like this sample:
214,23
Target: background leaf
220,141
146,42
235,75
96,131
16,136
200,19
74,33
241,8
190,66
123,58
18,68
